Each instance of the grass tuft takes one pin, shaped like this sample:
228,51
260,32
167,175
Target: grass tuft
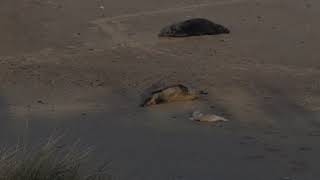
48,162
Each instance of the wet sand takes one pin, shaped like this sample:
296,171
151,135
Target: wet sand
80,67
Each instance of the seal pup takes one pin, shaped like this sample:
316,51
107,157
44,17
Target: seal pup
170,94
198,116
193,27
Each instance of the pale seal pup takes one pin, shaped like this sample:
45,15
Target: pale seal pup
198,116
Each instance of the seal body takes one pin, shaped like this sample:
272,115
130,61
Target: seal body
193,27
198,116
170,94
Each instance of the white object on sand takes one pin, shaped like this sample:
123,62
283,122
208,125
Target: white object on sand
198,116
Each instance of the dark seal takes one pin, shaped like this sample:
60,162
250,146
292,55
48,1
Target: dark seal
193,27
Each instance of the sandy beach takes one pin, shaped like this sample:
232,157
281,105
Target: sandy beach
81,67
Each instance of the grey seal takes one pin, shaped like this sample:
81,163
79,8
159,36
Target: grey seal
193,27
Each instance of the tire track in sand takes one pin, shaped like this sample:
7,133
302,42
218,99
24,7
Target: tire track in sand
113,27
175,9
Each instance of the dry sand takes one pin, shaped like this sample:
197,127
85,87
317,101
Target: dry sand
80,66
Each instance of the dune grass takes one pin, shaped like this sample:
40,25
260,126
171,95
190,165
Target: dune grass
48,162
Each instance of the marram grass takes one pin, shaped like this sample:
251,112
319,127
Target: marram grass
48,162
